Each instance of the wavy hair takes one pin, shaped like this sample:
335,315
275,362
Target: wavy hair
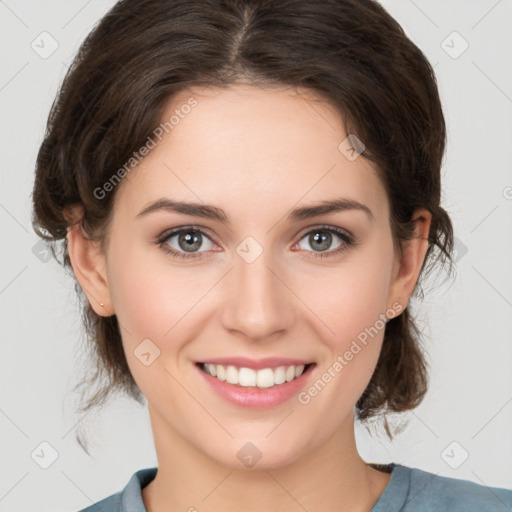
142,52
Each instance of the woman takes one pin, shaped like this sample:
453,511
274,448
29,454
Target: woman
248,193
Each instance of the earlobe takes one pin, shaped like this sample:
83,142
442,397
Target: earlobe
89,266
408,267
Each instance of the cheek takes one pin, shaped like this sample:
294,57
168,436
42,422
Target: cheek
350,298
349,304
151,303
149,293
156,300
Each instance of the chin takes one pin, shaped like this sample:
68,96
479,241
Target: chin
255,452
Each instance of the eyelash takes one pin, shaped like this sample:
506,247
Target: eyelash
348,241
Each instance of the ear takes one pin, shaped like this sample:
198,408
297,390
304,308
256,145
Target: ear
408,265
89,265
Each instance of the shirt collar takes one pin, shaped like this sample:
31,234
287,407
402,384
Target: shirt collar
395,492
131,498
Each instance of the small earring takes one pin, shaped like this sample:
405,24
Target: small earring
101,304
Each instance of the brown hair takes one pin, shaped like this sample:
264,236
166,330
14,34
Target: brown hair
143,52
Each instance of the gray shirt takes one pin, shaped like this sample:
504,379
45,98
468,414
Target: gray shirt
408,490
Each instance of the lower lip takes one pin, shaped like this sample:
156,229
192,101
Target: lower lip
257,398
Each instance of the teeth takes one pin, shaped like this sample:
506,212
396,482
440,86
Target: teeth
247,377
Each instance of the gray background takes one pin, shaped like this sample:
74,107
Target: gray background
468,410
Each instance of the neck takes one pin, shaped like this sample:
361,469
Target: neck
330,477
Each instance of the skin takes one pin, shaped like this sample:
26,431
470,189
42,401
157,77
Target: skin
256,153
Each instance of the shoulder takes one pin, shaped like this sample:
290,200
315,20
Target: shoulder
429,491
130,498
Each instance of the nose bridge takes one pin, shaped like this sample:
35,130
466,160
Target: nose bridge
258,303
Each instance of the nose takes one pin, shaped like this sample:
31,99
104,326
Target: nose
258,302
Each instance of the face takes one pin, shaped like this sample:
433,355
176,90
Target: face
257,280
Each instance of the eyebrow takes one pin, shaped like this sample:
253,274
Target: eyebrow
214,213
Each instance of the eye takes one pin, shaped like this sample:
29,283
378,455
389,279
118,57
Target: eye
321,238
188,241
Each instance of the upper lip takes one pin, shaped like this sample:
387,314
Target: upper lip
257,364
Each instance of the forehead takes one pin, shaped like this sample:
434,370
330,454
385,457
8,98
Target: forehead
253,148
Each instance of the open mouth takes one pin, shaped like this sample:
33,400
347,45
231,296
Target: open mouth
248,377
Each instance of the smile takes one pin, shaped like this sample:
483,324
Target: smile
248,377
269,383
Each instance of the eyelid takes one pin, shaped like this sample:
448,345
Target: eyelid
326,227
188,227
